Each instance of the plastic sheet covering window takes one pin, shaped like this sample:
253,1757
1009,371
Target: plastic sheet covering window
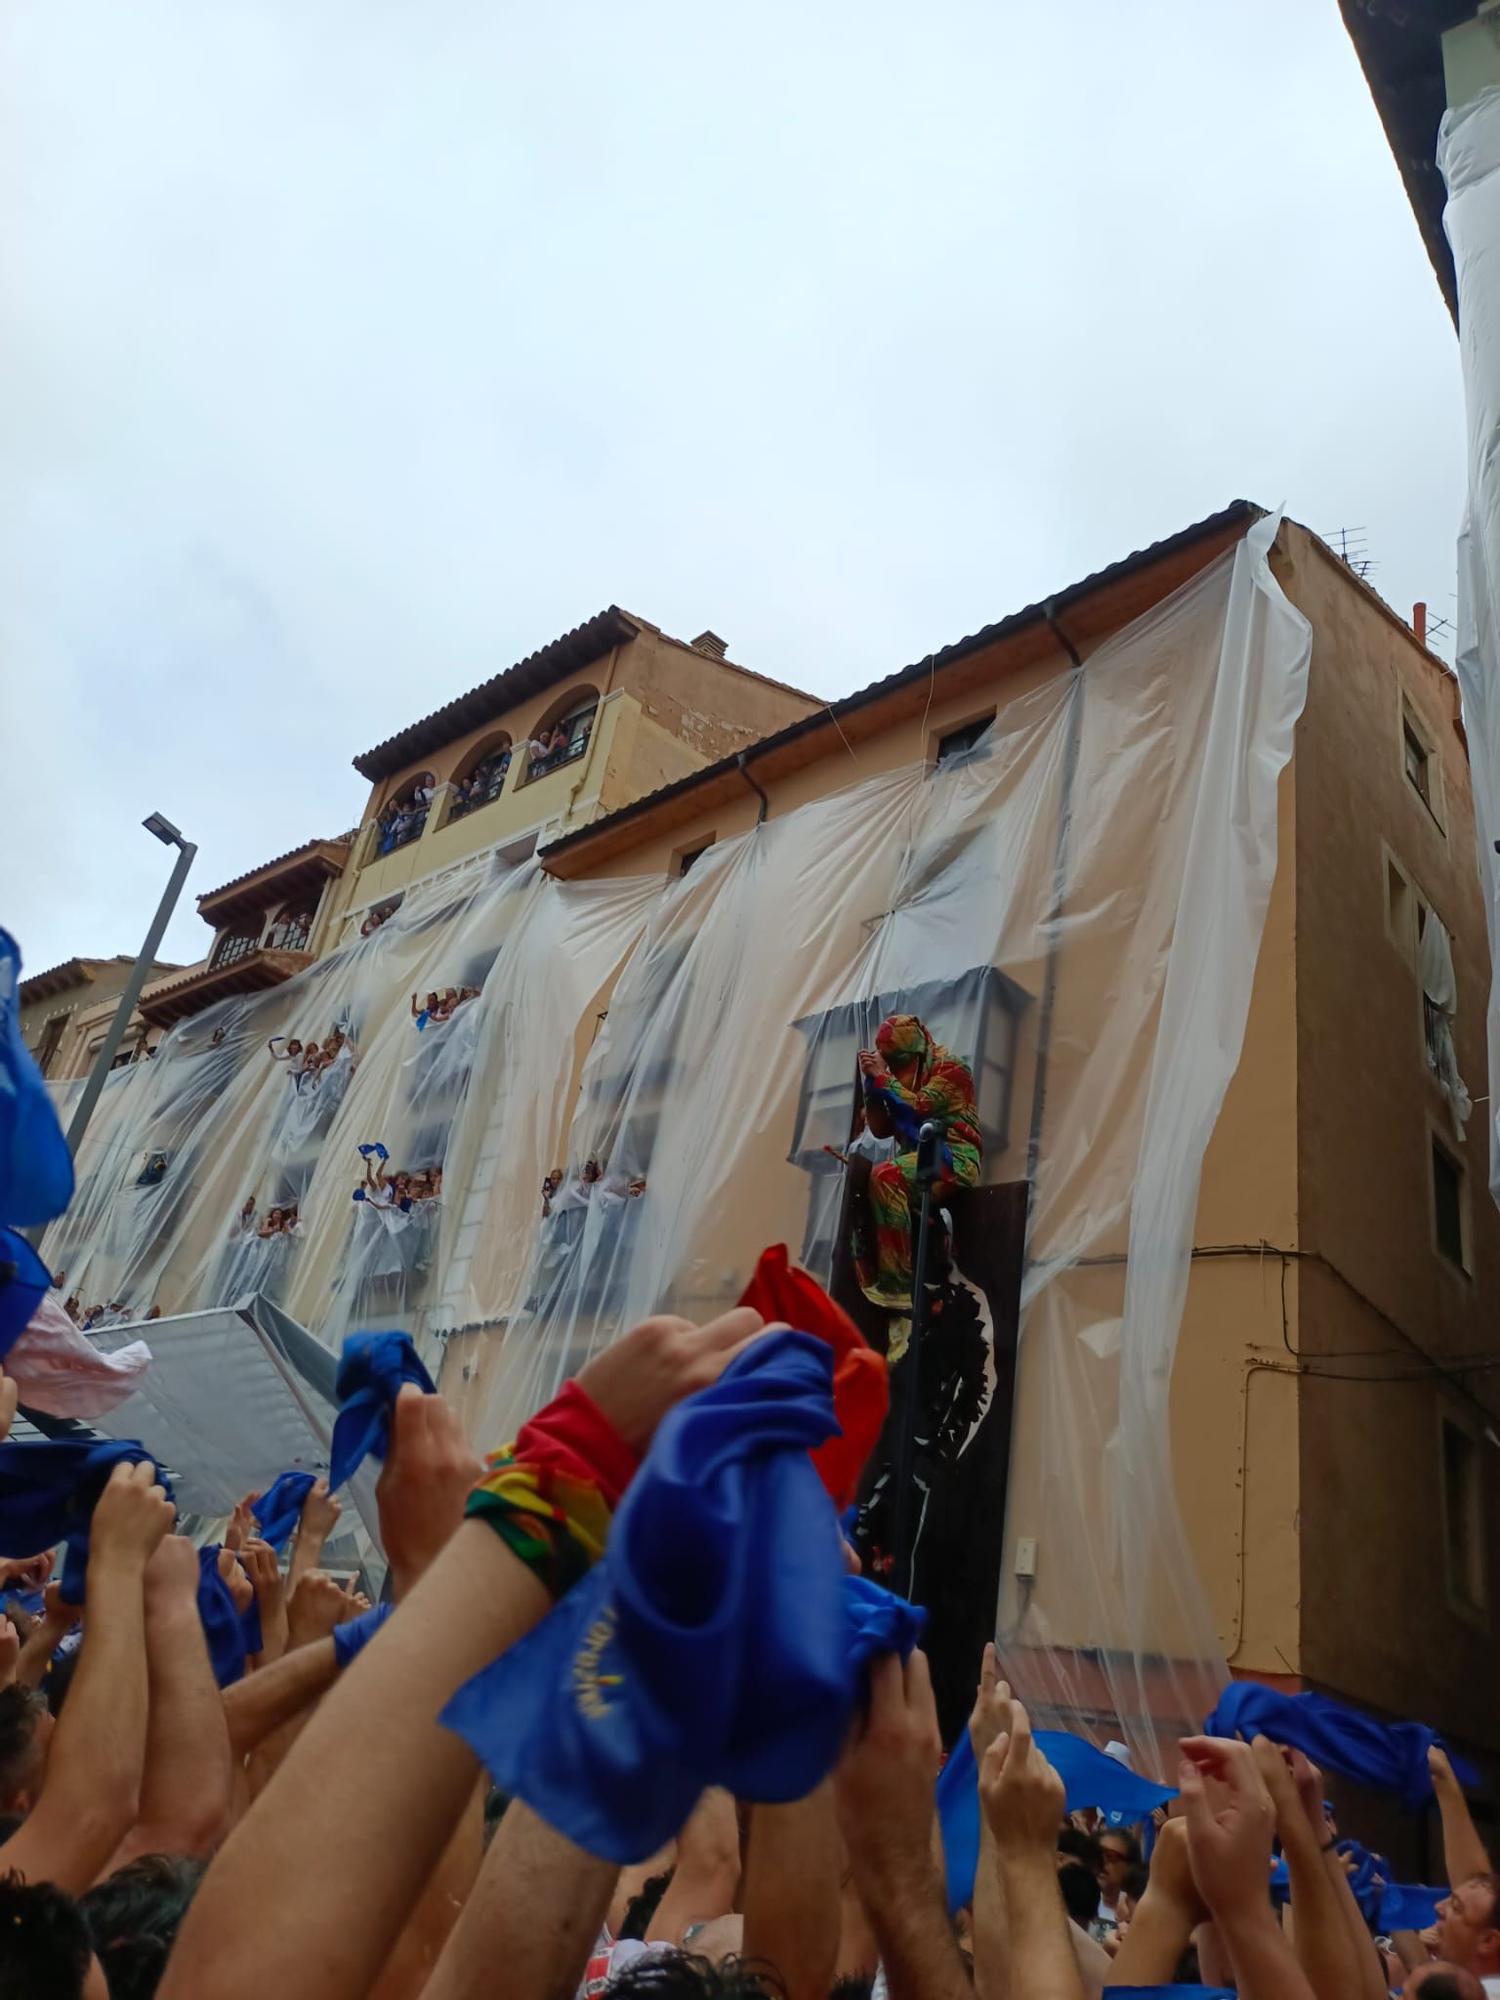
1075,904
1469,156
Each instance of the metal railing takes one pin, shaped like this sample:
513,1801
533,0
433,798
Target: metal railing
569,754
229,950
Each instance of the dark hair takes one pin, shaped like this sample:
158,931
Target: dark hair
851,1987
683,1975
1444,1985
1132,1845
1080,1891
1081,1846
134,1915
643,1905
45,1949
20,1710
1134,1885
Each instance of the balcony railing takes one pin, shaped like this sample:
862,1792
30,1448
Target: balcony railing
291,934
402,831
540,767
229,950
480,794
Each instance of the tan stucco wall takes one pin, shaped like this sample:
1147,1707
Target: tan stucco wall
1378,1623
88,1008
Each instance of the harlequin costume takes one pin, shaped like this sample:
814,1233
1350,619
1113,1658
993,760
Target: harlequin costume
941,1087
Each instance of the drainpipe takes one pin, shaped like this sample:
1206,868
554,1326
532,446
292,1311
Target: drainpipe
1059,891
759,790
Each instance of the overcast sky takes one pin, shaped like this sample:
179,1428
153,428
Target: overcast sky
353,349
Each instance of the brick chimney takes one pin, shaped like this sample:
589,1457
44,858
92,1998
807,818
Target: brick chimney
712,644
1419,622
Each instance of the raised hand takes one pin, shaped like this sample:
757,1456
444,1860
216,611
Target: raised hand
317,1605
130,1518
642,1375
991,1714
171,1572
1230,1821
320,1511
241,1522
1020,1793
883,1783
241,1589
10,1652
427,1476
264,1572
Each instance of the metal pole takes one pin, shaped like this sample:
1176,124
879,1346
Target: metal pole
903,1566
139,973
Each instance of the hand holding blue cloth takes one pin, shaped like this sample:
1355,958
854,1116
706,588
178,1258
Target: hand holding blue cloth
351,1638
710,1646
1090,1778
372,1369
223,1627
47,1495
36,1168
1391,1756
279,1508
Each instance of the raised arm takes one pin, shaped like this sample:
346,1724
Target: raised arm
92,1790
368,1828
186,1787
1022,1800
44,1638
1464,1853
707,1872
1230,1820
791,1896
262,1702
991,1717
884,1791
536,1910
1166,1917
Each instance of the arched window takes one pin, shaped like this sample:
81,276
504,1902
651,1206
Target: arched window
478,781
292,930
404,814
562,735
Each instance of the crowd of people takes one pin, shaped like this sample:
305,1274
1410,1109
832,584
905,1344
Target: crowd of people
305,1825
441,1004
302,1816
551,747
561,1196
308,1060
401,820
277,1220
483,783
397,1189
117,1312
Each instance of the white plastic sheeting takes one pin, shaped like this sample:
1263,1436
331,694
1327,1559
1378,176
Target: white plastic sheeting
1440,1009
1075,907
1469,156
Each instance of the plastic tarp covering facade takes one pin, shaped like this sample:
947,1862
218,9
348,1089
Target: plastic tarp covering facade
1469,156
1075,906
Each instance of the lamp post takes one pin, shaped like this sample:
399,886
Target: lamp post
139,973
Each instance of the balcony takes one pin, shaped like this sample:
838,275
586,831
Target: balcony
573,750
237,965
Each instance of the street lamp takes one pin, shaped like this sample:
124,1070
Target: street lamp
139,973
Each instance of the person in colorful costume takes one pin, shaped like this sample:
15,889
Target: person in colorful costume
908,1079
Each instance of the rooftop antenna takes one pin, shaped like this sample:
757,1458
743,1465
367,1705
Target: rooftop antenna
1349,545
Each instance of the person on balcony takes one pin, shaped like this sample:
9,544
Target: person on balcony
908,1079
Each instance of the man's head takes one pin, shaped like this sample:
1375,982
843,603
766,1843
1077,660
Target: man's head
26,1726
134,1915
46,1952
1073,1844
1119,1852
1442,1981
1080,1892
1468,1925
682,1975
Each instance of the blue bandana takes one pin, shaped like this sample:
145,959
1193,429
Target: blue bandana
712,1645
1390,1756
371,1371
223,1627
1089,1779
47,1495
1408,1906
351,1638
24,1280
279,1508
36,1169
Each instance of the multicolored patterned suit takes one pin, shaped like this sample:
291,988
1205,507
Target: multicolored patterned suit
934,1085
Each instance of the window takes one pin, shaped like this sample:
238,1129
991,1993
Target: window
1449,1203
1400,908
484,784
1463,1516
688,856
232,947
959,742
1417,759
563,737
52,1034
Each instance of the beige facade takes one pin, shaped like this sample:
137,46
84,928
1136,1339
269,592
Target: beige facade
66,1012
648,710
1316,1504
